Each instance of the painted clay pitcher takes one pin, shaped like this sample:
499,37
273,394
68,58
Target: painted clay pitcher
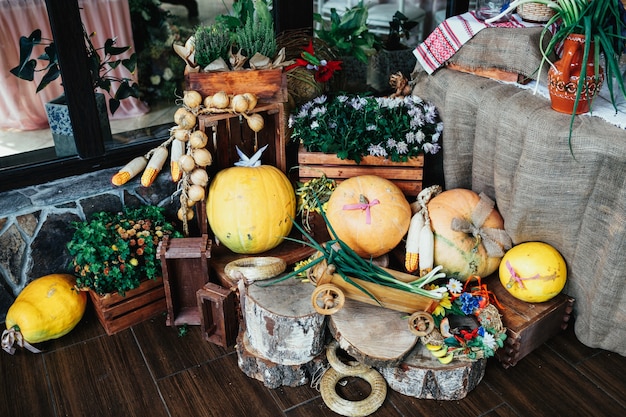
564,76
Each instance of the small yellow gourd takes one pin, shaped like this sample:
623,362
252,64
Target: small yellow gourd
47,308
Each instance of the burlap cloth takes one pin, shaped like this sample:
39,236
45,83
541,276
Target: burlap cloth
508,49
510,144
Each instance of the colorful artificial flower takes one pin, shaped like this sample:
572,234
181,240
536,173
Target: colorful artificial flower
324,69
455,286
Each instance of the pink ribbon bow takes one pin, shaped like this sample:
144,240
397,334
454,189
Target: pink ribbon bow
363,206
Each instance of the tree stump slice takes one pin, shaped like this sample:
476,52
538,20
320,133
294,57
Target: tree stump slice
422,376
373,335
274,375
281,324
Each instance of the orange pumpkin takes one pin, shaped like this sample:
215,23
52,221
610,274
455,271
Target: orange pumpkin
461,254
370,214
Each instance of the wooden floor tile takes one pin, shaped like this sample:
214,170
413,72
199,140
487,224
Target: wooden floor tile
103,377
167,352
217,389
607,370
288,397
543,384
23,385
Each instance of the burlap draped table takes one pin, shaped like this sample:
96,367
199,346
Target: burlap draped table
508,143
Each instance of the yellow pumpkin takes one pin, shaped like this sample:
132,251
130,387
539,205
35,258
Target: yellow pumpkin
370,214
47,308
250,208
533,272
461,254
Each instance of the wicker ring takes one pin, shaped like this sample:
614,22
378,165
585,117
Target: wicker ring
352,369
255,268
353,408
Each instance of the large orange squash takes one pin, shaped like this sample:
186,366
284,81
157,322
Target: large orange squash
462,253
250,208
370,214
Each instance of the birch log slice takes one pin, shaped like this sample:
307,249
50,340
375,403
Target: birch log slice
373,335
274,375
281,323
422,376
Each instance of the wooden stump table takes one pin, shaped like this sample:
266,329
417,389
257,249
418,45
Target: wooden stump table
373,335
283,337
281,323
422,376
381,338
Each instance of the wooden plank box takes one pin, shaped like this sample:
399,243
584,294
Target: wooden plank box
228,131
529,325
117,313
268,85
407,176
185,268
219,318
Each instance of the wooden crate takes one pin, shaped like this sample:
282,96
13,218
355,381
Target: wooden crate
185,268
117,313
227,131
268,85
219,318
407,176
217,300
529,325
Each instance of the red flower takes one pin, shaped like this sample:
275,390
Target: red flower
324,70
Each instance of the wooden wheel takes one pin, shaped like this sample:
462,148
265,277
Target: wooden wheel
327,299
421,323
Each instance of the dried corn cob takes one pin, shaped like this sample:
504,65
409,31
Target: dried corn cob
178,149
411,260
129,170
427,249
157,160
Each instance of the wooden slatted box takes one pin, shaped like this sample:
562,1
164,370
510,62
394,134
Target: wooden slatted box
407,176
529,325
185,267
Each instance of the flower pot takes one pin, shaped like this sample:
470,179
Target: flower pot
117,313
61,125
564,76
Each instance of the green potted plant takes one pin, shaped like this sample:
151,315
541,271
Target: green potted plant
102,61
599,27
349,36
115,251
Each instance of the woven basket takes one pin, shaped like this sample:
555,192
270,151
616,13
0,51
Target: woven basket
535,12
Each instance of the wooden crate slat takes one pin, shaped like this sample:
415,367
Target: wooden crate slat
338,171
133,304
409,188
117,313
320,158
266,84
111,300
135,317
407,176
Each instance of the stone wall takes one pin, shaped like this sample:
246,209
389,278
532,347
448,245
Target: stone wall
35,222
